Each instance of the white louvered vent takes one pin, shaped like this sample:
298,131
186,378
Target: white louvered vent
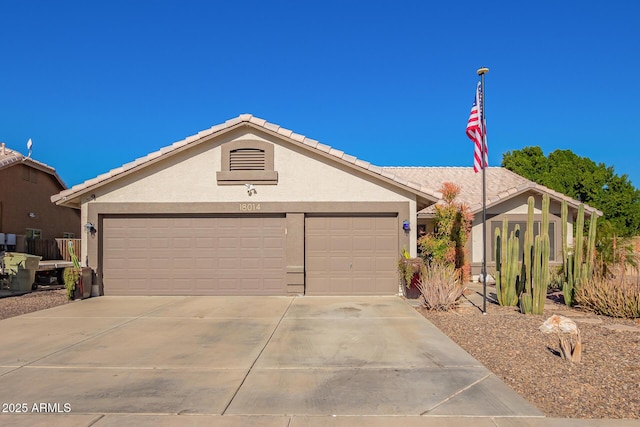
251,159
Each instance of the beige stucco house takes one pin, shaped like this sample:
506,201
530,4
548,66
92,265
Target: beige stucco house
250,208
247,208
506,196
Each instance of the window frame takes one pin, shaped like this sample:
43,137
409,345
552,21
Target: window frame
33,233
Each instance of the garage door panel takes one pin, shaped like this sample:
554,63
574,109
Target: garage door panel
340,243
351,255
228,243
193,256
271,263
162,284
363,243
363,264
201,242
339,263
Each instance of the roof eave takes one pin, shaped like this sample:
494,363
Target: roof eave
424,196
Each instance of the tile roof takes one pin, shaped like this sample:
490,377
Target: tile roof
501,184
416,187
9,157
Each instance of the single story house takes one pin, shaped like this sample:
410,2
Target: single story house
247,208
25,202
507,194
250,208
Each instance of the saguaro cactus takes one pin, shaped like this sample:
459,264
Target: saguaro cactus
507,250
536,261
577,247
577,268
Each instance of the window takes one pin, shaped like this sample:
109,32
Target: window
33,233
247,162
523,227
30,174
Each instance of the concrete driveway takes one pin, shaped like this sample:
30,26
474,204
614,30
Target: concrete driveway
274,359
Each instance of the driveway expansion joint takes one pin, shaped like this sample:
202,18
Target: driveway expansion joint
258,356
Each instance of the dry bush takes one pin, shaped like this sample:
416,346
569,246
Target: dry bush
610,297
441,287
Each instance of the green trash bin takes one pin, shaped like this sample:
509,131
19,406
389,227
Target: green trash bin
21,269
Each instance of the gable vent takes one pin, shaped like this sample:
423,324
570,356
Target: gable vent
252,159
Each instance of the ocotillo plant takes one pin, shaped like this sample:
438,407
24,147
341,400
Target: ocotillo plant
507,267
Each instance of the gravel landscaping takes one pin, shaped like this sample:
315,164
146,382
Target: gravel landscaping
605,385
38,300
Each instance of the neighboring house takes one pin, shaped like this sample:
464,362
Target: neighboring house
247,208
26,187
506,196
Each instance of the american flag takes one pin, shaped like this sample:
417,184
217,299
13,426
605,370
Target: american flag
476,131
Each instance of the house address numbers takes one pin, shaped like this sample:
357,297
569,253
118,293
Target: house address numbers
249,207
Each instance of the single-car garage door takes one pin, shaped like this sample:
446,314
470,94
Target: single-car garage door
351,255
193,256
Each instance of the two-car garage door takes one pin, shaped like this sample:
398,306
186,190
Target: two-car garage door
194,256
344,255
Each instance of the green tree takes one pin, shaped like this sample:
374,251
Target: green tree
582,179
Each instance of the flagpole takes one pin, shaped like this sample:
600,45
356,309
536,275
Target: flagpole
481,72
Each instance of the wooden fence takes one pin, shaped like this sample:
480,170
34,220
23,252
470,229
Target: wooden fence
52,249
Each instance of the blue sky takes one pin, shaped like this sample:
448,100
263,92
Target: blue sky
99,84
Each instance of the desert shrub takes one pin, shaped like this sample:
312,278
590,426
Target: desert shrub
615,254
615,297
556,279
441,287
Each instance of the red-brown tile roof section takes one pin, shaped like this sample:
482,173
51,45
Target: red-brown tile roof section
501,184
248,119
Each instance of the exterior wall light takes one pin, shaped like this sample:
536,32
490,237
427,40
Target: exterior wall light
90,228
405,225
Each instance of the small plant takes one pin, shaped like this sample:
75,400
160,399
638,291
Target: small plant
71,276
610,297
556,278
409,268
441,287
